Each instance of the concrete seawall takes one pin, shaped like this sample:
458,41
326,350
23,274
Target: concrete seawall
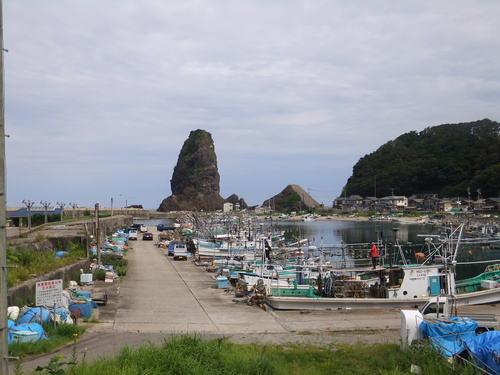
59,237
25,293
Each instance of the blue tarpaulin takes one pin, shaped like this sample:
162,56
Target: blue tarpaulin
80,310
31,327
449,336
485,349
35,314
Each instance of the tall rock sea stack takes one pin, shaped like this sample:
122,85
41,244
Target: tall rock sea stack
195,182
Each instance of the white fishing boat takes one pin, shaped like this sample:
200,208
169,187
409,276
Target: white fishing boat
401,286
253,280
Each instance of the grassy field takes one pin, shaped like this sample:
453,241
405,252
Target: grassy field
190,355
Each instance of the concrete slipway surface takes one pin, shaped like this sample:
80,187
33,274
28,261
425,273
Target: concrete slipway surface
160,297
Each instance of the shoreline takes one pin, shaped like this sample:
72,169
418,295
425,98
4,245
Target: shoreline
406,220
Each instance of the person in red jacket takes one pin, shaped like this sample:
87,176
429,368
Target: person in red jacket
374,255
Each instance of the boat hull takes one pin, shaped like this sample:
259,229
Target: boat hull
311,303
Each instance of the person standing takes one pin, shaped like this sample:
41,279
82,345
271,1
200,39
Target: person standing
374,254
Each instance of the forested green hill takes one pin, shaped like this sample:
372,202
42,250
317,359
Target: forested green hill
445,159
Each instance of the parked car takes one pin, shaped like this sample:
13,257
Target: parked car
147,236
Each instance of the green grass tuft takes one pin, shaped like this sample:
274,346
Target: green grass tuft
190,355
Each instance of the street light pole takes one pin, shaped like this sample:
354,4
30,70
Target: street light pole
61,205
112,199
45,205
28,204
74,206
98,234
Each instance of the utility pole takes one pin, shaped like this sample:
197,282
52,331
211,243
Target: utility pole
4,348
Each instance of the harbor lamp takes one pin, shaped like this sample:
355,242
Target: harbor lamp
61,205
28,204
45,205
74,206
112,199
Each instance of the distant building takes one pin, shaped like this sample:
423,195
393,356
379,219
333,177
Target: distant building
350,203
394,203
493,204
20,217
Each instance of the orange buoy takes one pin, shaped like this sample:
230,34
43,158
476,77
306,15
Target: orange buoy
419,257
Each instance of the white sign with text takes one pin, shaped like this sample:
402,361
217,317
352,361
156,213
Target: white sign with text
49,292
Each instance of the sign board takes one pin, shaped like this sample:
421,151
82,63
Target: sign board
48,292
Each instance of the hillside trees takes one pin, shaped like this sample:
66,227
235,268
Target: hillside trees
445,159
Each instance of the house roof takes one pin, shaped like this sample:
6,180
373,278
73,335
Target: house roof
23,212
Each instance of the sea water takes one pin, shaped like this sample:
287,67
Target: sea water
411,237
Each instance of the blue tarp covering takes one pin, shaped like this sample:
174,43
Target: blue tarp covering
33,327
449,337
36,314
82,310
485,348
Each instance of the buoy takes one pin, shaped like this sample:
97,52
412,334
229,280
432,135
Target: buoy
419,257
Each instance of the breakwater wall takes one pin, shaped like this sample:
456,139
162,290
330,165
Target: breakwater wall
24,294
108,224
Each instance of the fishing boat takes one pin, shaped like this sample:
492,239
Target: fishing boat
398,286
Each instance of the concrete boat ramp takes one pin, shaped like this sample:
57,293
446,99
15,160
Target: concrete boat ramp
162,295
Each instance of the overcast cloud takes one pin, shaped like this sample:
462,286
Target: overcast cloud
101,95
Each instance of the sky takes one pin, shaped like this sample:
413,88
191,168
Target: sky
100,95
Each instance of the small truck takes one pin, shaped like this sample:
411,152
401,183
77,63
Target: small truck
132,234
180,252
444,307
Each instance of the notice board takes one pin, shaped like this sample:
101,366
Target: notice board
48,292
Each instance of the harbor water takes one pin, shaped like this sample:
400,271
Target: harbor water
411,237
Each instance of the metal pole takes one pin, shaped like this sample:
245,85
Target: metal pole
98,234
4,349
111,206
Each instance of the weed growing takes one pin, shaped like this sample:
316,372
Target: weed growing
62,334
190,355
32,263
